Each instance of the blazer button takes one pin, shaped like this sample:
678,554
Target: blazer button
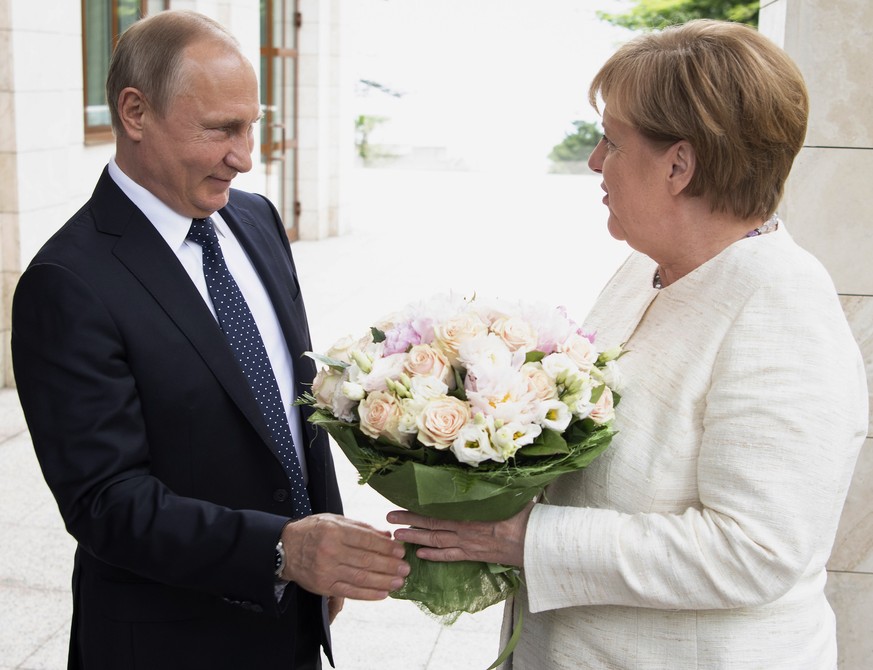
280,495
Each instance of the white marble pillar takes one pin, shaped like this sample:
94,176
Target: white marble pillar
324,145
829,209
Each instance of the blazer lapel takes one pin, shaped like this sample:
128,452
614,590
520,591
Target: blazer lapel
274,266
146,255
275,271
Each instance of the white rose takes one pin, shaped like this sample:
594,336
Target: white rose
324,387
343,408
441,421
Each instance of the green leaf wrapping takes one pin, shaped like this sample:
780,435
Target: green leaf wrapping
446,490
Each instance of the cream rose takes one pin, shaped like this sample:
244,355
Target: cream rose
380,414
518,333
425,361
441,420
603,410
449,334
580,350
541,385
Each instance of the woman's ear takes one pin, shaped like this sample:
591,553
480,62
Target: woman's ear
683,162
132,109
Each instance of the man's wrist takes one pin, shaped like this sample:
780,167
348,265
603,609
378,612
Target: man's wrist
279,567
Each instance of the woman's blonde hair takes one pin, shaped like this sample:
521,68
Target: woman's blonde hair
149,57
736,97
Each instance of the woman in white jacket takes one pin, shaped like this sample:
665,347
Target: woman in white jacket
699,539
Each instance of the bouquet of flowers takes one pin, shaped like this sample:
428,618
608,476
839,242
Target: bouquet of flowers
466,410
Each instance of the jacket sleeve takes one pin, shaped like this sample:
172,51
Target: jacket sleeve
84,412
784,418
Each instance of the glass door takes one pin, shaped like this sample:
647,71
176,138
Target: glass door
280,23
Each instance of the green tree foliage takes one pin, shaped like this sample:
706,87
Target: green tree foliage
655,14
577,145
365,124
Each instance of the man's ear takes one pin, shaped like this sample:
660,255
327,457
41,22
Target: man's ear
683,163
132,108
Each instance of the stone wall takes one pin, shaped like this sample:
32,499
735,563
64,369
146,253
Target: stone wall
829,209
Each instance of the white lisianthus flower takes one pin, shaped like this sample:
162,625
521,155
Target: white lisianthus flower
567,375
380,414
353,391
485,349
511,437
428,388
473,444
580,402
516,332
410,409
580,350
611,375
381,369
603,410
610,354
500,392
441,421
554,415
559,366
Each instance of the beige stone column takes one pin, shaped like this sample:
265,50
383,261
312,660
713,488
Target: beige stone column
9,258
828,207
326,136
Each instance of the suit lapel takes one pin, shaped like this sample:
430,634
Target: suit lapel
146,255
274,266
274,270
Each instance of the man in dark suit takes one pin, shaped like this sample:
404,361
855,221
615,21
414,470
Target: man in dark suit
209,534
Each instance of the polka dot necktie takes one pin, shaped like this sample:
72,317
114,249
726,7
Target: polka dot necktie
238,325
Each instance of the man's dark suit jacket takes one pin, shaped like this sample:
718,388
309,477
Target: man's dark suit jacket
154,446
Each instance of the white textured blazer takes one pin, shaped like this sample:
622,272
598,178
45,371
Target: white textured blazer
699,538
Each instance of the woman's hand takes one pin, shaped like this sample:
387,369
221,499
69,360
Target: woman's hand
447,541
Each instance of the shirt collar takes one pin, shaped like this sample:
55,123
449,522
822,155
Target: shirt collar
171,225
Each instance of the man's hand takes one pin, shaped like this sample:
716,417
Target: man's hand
335,556
489,541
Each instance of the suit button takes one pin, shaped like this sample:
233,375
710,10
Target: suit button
280,495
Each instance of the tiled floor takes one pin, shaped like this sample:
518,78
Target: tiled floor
414,234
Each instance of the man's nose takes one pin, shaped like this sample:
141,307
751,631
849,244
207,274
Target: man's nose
240,155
